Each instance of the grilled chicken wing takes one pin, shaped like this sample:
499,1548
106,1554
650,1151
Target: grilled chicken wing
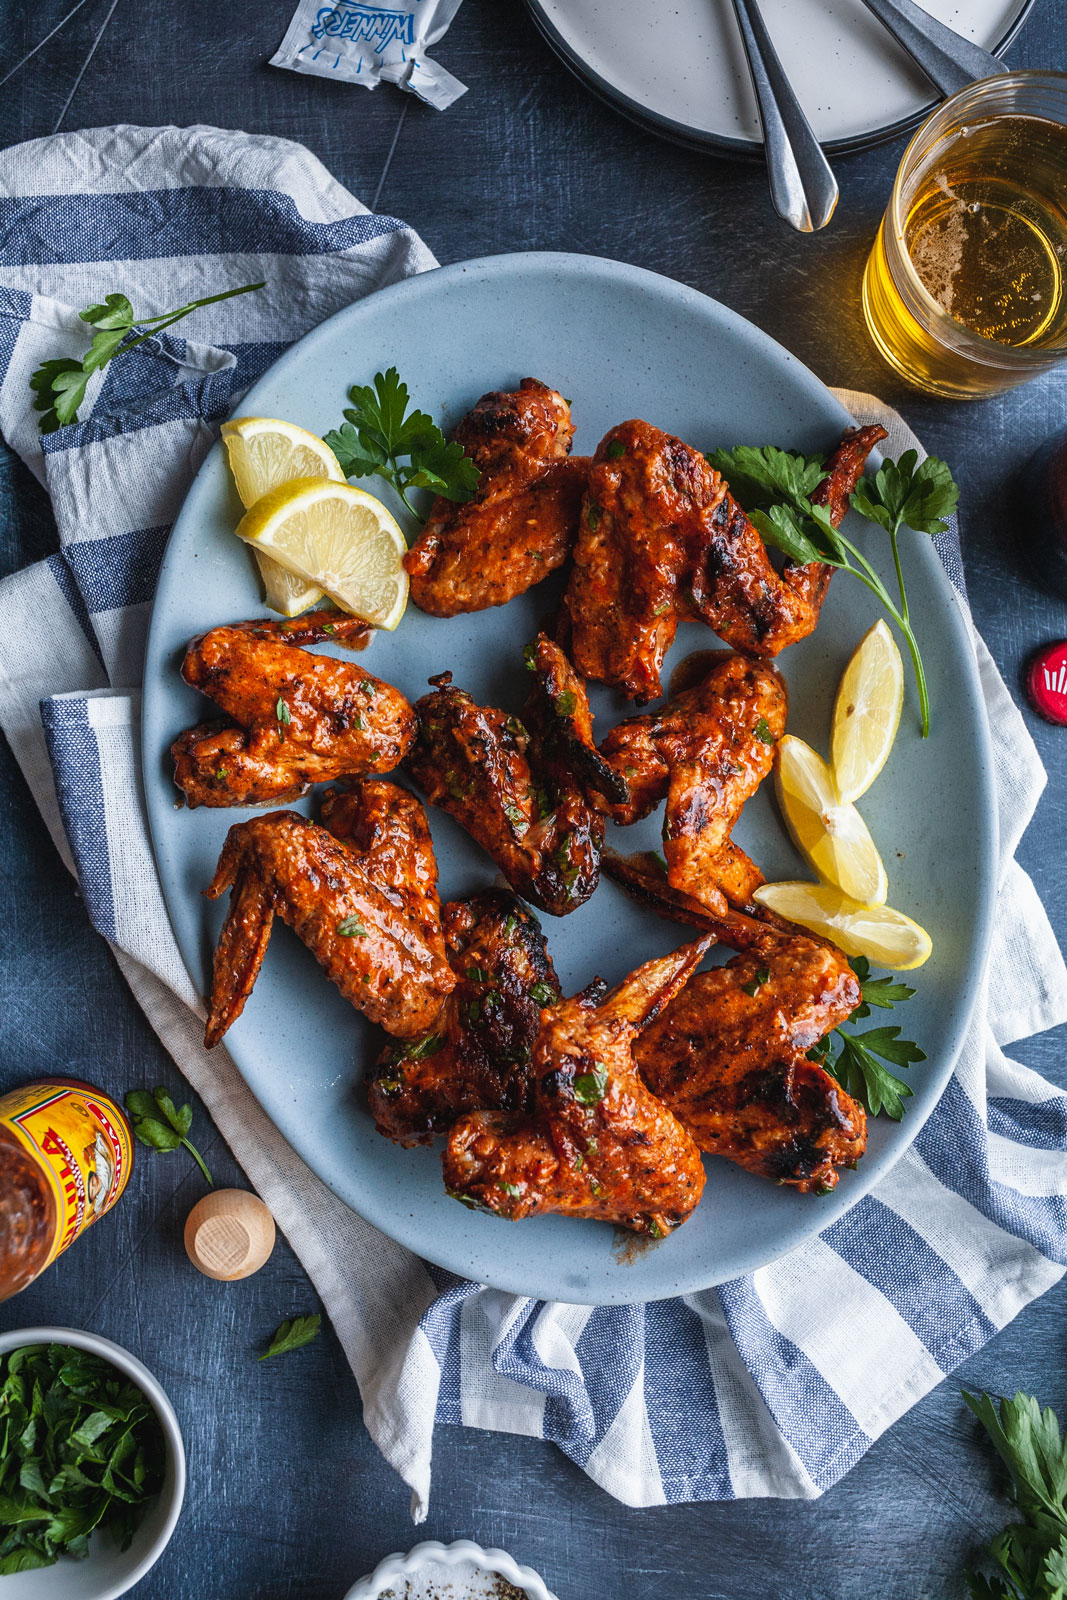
733,586
661,536
478,1054
597,1144
376,932
297,719
521,523
729,1054
510,783
708,750
644,490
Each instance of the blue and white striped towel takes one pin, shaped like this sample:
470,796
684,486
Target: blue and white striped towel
771,1385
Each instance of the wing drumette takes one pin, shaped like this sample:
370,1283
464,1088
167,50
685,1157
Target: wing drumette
375,932
597,1143
297,719
729,1055
478,1054
521,523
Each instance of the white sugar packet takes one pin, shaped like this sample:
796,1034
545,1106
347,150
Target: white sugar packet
371,44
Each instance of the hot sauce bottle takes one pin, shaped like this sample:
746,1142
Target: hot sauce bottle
65,1158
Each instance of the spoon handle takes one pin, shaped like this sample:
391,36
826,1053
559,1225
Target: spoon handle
949,60
803,186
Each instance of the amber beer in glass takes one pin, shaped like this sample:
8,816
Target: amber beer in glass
964,291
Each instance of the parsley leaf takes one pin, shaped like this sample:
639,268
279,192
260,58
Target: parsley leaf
758,980
859,1064
762,475
293,1334
1032,1554
881,992
381,438
902,494
351,928
159,1125
775,488
59,385
859,1071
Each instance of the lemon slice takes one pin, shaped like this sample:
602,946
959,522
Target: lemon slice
886,937
832,838
336,536
866,713
264,452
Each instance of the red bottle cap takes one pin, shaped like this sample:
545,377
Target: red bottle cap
1046,683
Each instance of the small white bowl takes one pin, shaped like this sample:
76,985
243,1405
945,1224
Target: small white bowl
464,1572
107,1572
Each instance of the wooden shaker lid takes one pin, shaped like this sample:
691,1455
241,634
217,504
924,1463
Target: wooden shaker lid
229,1234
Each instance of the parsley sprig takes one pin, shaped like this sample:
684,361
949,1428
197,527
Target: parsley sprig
59,385
161,1126
1032,1554
775,488
381,438
857,1066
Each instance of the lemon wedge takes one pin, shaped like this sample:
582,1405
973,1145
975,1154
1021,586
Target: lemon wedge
264,452
336,536
832,838
886,937
866,713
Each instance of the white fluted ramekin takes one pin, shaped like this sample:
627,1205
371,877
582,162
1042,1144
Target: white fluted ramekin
454,1561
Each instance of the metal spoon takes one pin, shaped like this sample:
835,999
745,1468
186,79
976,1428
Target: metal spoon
949,61
803,187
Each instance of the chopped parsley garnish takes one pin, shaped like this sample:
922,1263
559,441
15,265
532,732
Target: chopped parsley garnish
591,1087
763,732
615,449
81,1449
352,928
758,980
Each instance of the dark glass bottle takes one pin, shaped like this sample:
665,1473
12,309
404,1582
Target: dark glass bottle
1044,485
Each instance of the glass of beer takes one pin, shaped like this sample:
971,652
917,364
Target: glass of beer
964,291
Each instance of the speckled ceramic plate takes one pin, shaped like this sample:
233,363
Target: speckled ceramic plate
619,342
680,70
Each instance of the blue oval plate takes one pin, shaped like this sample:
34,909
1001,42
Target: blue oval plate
620,342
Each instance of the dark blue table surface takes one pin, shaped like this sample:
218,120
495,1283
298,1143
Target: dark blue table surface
288,1498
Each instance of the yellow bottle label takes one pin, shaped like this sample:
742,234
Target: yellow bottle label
81,1144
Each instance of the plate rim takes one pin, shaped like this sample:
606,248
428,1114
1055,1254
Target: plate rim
830,1208
689,138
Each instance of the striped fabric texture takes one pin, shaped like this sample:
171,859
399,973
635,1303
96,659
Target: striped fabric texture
774,1384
